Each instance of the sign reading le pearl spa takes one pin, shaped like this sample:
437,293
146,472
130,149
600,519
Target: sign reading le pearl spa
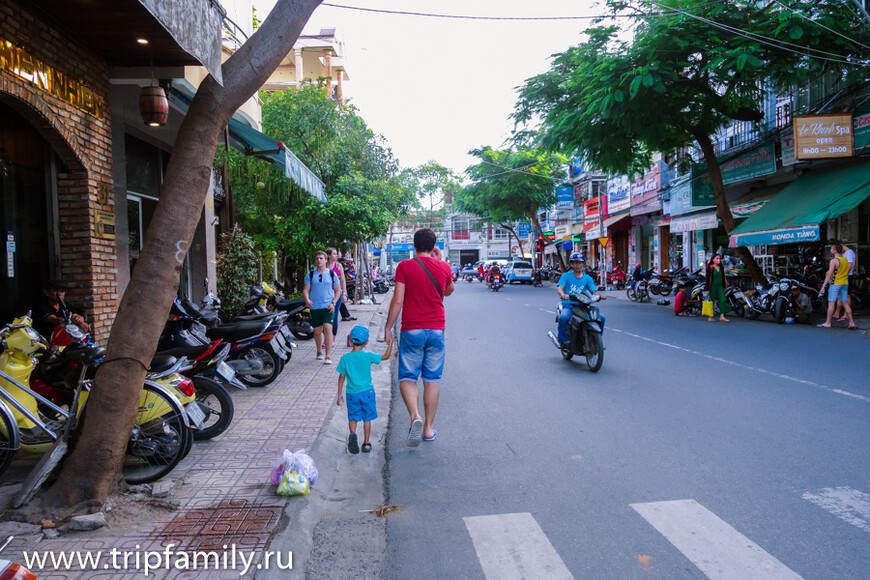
823,136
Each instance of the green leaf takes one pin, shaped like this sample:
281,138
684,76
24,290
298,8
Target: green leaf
796,31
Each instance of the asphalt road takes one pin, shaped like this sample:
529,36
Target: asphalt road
700,450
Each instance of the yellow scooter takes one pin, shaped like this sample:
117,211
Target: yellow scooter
33,423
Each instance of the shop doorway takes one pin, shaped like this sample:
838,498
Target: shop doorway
26,185
467,257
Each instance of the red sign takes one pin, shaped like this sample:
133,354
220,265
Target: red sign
591,214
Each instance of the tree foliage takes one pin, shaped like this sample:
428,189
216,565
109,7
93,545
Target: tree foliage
362,182
236,271
508,185
689,69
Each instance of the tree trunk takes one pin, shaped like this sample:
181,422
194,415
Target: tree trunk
534,217
511,230
722,209
92,471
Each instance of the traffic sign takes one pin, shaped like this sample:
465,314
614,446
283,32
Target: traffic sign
603,241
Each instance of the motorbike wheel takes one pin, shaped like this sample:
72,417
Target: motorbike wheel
271,367
632,295
752,314
780,310
594,351
566,353
739,309
620,284
217,405
6,451
157,445
666,291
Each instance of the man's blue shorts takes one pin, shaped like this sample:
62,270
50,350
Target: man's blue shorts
838,292
421,351
361,406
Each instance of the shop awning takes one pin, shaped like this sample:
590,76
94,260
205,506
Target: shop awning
617,217
253,142
795,213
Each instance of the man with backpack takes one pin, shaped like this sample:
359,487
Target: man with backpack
322,291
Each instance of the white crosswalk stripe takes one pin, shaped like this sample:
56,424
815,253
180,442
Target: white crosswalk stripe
850,505
513,546
717,549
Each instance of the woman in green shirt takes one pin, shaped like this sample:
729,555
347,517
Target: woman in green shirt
716,284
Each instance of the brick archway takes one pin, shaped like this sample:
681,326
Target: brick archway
83,145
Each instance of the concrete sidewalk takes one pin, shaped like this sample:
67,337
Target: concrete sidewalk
219,496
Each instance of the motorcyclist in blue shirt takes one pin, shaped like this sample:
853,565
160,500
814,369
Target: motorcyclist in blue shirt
573,282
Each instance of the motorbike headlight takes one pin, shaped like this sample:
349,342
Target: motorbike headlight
783,286
583,299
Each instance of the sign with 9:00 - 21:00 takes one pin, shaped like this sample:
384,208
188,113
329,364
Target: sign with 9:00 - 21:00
823,136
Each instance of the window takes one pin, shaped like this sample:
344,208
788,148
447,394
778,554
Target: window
521,265
501,234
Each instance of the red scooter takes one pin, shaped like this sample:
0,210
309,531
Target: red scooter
616,277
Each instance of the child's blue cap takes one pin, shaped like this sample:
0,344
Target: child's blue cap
359,334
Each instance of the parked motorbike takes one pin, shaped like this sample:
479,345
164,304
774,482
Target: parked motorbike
663,284
380,286
32,422
764,299
583,332
266,299
616,277
784,304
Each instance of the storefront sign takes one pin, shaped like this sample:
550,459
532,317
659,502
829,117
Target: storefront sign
564,197
645,194
823,136
681,198
703,221
562,231
785,236
524,229
577,166
591,214
104,224
21,64
786,144
749,165
618,194
862,130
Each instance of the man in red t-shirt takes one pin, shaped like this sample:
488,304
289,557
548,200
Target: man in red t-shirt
421,285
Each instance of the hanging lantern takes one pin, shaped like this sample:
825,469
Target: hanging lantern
153,106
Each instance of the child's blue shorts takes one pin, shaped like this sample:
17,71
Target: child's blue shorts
361,406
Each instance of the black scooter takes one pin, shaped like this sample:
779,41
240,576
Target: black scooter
584,331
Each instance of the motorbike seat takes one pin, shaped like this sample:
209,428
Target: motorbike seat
291,304
256,316
87,356
161,362
238,330
191,352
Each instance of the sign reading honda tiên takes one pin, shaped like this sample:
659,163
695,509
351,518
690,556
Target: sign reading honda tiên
823,136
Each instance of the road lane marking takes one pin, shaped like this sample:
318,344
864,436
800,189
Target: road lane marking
850,505
513,546
747,367
717,549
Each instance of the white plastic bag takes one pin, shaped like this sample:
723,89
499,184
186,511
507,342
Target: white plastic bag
283,464
304,465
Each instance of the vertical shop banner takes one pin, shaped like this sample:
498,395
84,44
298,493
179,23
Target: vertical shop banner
592,214
580,193
618,194
564,197
862,130
786,144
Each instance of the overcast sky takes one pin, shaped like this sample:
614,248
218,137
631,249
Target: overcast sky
436,88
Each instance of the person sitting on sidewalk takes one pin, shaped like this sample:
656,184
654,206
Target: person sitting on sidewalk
683,300
355,368
802,306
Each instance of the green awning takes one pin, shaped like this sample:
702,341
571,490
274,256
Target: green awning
813,198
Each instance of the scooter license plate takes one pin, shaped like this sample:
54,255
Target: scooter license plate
739,294
195,414
226,371
285,331
278,348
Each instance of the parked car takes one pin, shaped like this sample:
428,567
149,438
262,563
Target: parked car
519,271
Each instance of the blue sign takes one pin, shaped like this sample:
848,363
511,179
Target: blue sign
568,245
377,252
784,236
564,197
523,229
577,166
408,247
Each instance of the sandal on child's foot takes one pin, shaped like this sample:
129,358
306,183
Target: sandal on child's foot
352,444
366,447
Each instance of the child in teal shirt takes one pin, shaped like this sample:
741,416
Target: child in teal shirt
355,367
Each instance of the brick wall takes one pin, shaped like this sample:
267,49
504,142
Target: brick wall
83,143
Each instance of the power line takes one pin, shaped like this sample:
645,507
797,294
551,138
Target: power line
468,17
819,24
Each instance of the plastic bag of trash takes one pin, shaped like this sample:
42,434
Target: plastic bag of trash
663,301
293,484
284,463
304,465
